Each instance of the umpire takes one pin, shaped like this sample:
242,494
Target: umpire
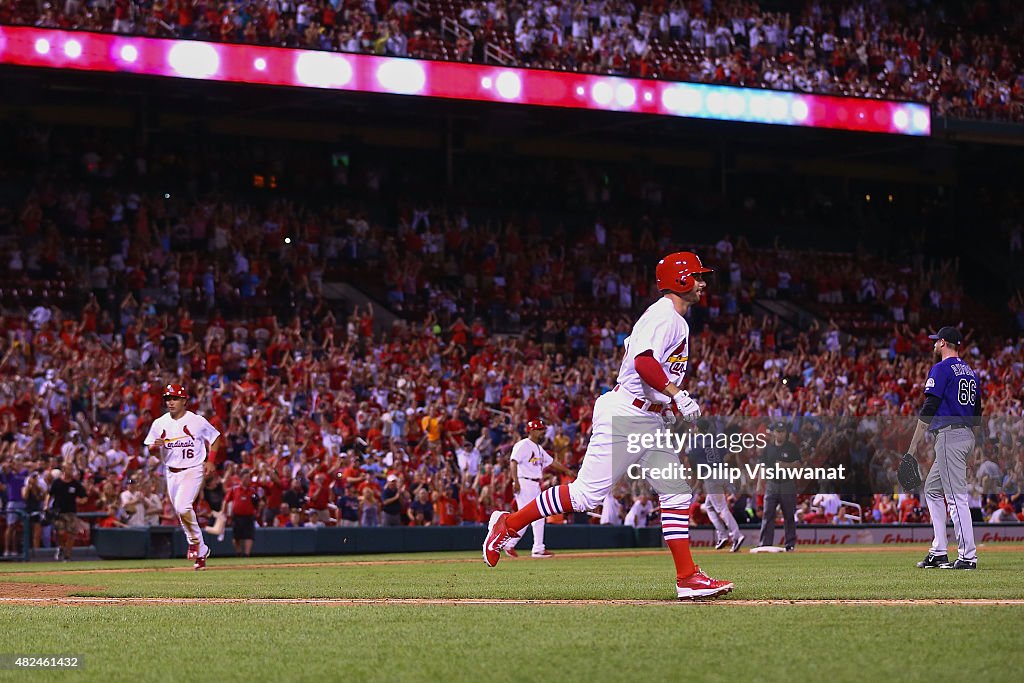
952,413
780,491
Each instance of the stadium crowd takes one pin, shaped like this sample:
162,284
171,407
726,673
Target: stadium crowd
109,293
964,58
335,423
400,429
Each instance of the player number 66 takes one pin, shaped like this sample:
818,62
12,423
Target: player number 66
967,392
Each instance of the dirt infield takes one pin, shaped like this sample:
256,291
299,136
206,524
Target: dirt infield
55,599
40,591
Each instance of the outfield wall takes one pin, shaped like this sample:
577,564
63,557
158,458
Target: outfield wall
166,542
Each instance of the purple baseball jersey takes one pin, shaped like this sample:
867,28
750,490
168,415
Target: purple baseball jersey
956,385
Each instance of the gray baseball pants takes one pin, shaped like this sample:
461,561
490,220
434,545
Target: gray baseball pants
946,487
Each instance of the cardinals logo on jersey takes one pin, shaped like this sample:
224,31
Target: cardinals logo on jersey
186,443
676,360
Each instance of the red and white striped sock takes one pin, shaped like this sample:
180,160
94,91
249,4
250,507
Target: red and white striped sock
675,527
553,501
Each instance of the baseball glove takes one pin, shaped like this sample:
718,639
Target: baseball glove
909,473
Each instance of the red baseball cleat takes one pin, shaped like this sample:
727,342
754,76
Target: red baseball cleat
201,561
511,552
193,552
498,535
699,585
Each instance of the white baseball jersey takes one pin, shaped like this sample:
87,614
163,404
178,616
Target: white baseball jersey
667,334
188,439
532,459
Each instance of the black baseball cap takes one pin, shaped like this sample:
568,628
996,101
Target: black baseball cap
949,334
780,426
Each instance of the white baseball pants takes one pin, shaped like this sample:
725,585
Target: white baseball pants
183,489
617,443
528,490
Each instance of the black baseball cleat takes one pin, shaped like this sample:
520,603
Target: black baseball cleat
721,543
962,564
934,562
737,544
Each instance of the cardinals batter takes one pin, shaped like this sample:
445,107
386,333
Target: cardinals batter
646,399
183,440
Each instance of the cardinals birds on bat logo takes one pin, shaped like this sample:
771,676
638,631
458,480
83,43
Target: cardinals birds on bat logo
678,354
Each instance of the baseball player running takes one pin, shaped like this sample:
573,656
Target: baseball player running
653,365
183,440
952,410
528,462
716,503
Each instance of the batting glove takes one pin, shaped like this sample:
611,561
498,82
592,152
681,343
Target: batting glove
687,407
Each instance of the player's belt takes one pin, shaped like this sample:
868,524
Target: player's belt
643,404
956,426
175,470
531,479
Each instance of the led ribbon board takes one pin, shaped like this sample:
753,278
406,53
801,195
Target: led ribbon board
40,47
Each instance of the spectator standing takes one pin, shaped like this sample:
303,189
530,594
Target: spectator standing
152,502
34,495
391,503
369,507
320,498
348,507
13,477
133,502
421,510
63,498
241,503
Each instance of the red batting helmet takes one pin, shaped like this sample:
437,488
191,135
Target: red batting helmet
175,391
674,271
535,424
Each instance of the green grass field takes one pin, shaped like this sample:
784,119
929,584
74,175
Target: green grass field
591,641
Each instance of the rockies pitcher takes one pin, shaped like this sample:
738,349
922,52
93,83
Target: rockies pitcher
952,411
